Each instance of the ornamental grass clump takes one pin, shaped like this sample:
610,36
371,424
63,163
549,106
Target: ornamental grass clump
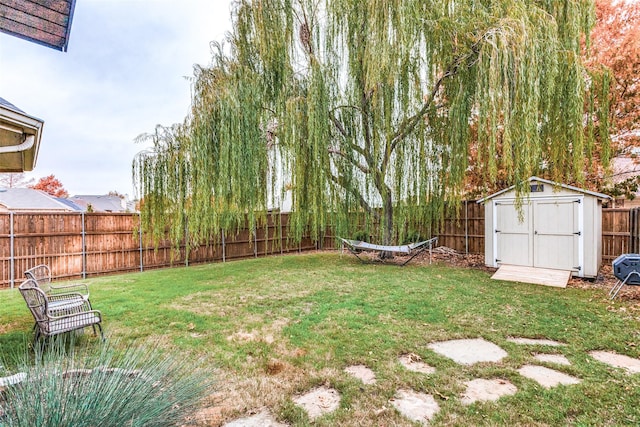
102,386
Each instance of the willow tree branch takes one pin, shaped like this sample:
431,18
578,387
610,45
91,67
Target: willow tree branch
408,125
340,181
364,169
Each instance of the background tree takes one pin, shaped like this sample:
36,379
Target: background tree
15,180
50,185
616,44
365,109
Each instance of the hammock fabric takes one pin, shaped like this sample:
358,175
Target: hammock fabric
414,249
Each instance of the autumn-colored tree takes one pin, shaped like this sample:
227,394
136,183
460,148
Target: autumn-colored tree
15,180
50,185
615,43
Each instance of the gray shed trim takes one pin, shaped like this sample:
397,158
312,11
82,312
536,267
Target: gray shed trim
546,181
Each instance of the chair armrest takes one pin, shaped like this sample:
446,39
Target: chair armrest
75,288
68,296
64,304
79,314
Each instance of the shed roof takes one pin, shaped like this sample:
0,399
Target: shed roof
546,181
46,22
20,135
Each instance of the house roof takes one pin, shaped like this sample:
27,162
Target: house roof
20,135
28,199
546,181
46,22
69,204
104,203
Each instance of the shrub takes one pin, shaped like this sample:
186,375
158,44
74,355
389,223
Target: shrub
103,387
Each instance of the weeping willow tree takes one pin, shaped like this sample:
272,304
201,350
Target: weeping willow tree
365,111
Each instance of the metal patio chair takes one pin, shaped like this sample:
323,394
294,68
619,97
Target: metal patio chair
41,274
75,314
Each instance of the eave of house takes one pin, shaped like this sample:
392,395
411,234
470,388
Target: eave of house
20,136
46,22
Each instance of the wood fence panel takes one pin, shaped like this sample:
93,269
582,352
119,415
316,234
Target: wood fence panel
464,231
616,233
111,244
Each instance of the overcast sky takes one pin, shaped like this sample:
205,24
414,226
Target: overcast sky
123,74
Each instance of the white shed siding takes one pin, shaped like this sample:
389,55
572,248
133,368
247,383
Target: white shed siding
557,227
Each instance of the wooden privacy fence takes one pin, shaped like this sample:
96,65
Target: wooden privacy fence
620,231
77,245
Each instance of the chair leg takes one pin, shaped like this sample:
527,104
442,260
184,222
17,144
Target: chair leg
100,328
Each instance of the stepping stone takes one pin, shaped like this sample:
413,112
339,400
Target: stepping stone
418,407
414,363
631,365
469,351
558,359
263,419
546,377
487,390
13,379
361,372
319,401
534,341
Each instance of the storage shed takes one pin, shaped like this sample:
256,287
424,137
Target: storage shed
559,227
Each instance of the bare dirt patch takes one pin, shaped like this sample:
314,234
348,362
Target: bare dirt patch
631,365
361,372
414,363
546,377
319,401
480,390
469,351
418,407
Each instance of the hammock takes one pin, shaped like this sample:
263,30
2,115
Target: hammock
414,249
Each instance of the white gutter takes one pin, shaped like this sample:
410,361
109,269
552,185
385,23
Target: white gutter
29,141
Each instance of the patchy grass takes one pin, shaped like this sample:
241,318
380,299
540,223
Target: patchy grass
273,328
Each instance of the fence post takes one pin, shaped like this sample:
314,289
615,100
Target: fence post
224,249
140,241
186,244
466,227
84,246
255,238
12,261
280,232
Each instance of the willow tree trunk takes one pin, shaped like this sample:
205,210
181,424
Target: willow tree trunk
387,218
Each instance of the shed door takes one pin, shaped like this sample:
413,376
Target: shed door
556,234
513,237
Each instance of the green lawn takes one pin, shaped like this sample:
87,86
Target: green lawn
272,328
